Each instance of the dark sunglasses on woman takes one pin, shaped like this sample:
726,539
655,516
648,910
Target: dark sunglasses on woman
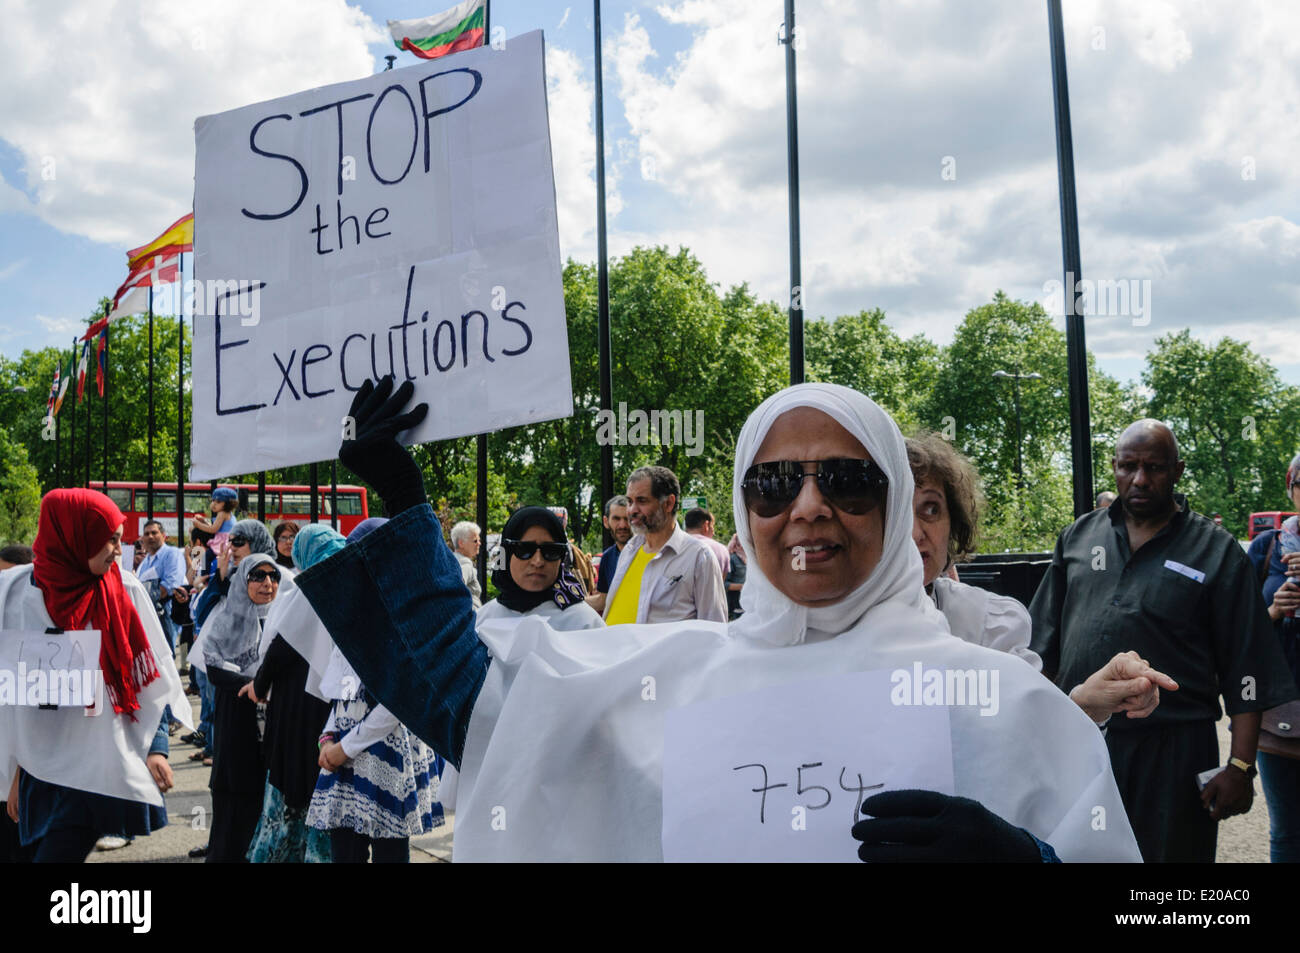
261,575
854,486
524,549
239,540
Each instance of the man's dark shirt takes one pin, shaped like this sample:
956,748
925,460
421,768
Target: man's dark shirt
1188,602
608,563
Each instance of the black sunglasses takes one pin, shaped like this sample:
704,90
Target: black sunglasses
261,575
525,549
239,541
854,486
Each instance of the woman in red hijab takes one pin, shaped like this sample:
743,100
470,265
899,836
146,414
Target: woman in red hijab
83,777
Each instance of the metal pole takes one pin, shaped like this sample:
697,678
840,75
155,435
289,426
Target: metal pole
72,442
55,421
1075,347
180,412
792,149
151,421
481,511
602,285
106,356
313,510
261,496
87,484
334,494
1020,462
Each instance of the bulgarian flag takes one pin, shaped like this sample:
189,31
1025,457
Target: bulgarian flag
178,237
460,28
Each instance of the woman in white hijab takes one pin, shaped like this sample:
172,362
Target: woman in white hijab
834,589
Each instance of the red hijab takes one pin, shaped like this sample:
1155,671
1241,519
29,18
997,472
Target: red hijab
74,526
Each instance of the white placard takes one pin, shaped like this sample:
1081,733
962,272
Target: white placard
401,223
812,745
40,668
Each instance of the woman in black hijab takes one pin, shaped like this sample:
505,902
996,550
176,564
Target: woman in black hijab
533,573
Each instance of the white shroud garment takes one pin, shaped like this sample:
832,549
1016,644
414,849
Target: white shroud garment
293,618
564,754
105,753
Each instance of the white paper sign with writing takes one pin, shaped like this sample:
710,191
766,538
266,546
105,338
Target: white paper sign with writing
403,223
779,774
39,668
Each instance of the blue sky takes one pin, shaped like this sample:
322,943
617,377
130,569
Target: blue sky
927,147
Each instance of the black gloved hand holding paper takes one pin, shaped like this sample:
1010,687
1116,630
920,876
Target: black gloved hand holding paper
374,453
928,827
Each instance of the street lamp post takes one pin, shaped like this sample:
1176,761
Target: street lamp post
1016,377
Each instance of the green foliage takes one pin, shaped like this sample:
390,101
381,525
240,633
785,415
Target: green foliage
1234,419
681,344
20,492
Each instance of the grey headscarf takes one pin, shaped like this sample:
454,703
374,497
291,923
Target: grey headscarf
259,537
232,635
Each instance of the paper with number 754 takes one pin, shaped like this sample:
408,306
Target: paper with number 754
779,774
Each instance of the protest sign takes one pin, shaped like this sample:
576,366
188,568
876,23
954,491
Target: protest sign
41,668
403,223
780,774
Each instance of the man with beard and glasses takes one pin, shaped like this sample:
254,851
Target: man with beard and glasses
1147,573
663,573
615,520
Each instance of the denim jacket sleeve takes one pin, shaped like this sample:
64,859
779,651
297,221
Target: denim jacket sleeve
160,743
397,607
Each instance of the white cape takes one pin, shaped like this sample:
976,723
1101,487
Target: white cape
103,754
584,782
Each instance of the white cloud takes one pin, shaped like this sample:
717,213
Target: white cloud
64,327
1170,111
571,104
11,269
106,135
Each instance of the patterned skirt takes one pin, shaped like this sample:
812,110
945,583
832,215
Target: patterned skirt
283,836
388,790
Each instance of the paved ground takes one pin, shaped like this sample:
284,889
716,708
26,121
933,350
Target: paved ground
189,806
1241,839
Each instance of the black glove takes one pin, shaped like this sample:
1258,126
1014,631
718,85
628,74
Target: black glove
929,827
374,453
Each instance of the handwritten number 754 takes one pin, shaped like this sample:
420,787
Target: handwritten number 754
801,788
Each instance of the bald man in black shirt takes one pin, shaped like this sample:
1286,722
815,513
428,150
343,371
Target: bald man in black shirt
1146,573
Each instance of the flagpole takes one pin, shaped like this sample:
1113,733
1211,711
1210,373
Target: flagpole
151,421
1076,351
88,419
481,454
602,284
334,494
72,443
54,420
105,471
261,496
314,509
792,152
180,411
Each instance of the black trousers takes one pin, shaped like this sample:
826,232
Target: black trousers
1155,767
234,821
349,847
71,845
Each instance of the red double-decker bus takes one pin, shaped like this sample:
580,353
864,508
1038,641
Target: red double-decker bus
1262,522
282,502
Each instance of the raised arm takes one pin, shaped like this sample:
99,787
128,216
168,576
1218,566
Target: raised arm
394,601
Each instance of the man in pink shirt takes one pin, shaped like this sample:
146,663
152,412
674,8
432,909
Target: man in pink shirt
699,522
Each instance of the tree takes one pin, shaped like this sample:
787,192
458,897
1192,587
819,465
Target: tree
979,411
20,492
862,352
1234,420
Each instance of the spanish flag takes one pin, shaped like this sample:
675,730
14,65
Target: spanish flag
460,28
179,237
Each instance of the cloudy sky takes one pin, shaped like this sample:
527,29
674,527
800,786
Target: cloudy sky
927,149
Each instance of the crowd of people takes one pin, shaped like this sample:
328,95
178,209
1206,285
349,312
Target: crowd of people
354,691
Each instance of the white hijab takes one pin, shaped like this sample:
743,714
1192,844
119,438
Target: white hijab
565,750
770,615
232,635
